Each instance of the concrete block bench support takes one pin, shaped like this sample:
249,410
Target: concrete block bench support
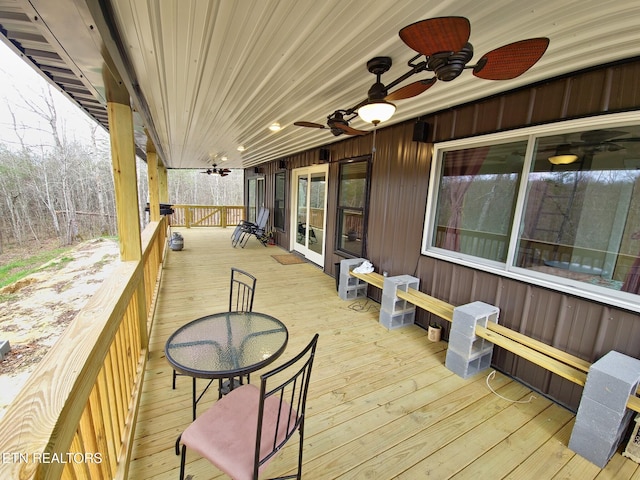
394,311
468,354
603,417
349,287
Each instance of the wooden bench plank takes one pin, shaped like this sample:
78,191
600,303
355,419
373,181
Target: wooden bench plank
562,369
541,347
372,278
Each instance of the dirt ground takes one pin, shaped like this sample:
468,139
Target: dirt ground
36,310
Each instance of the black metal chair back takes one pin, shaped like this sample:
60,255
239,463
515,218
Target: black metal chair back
291,392
241,290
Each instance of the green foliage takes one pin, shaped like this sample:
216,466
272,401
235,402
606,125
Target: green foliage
15,270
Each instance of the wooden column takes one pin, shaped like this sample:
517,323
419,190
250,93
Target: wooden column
123,158
152,174
163,185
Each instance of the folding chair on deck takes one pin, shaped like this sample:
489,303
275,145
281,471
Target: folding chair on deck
245,230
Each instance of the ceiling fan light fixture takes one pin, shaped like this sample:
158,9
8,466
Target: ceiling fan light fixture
563,155
563,159
376,112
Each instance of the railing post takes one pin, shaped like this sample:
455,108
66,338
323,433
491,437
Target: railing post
187,217
223,217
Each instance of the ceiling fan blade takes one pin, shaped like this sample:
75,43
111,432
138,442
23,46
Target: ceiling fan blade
511,61
349,130
435,35
599,136
411,90
309,124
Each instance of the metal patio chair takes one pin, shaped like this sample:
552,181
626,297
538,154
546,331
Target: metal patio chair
245,230
242,287
243,431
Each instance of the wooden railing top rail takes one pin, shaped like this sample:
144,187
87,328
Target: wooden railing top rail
557,361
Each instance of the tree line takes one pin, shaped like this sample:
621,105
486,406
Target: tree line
63,189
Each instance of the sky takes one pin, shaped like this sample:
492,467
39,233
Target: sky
18,80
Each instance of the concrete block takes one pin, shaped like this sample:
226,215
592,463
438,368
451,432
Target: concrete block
390,301
586,443
350,288
471,348
612,379
465,368
602,417
393,304
400,282
396,320
352,292
466,317
599,418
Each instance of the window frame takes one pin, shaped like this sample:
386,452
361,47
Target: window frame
626,300
364,208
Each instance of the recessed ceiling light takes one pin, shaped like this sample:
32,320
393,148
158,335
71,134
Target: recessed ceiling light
241,148
274,127
224,158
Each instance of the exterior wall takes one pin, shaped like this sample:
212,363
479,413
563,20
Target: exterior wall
399,183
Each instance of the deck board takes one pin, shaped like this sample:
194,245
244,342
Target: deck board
381,403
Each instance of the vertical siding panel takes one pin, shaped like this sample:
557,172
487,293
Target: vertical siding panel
551,104
586,94
514,114
489,116
625,87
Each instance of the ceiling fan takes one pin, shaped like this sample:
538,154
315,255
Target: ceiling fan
223,172
337,122
443,48
444,43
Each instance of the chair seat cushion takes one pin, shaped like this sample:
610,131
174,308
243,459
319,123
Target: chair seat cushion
226,433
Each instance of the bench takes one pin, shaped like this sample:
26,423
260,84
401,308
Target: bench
552,359
611,384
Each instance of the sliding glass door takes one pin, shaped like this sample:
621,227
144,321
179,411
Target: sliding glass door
309,212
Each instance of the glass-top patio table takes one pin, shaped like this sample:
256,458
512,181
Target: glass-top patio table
225,345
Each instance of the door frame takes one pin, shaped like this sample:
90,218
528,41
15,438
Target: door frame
296,173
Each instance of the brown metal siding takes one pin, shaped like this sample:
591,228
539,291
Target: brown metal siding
399,185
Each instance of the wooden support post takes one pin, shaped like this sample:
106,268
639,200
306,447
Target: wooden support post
123,157
152,175
163,185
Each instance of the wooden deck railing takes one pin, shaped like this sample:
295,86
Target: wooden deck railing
206,215
74,417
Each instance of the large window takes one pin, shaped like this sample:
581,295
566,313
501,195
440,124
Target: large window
352,206
555,205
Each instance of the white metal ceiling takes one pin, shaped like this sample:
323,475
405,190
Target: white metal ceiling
214,74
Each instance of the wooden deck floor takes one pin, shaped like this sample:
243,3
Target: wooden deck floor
381,404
